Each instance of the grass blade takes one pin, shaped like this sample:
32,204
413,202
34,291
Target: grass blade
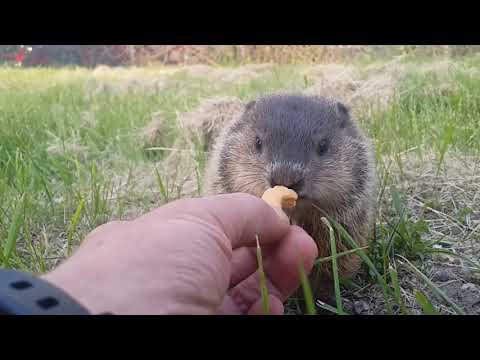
327,307
447,141
199,181
396,289
366,260
263,280
73,225
440,294
397,203
307,290
339,255
13,231
426,305
161,186
40,262
336,282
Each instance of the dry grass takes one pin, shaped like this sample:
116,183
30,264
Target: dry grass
209,117
218,75
377,85
444,200
156,131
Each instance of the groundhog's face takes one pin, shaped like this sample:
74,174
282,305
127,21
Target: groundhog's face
308,144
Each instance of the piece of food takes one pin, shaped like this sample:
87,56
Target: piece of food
280,196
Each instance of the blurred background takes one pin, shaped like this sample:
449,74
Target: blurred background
141,55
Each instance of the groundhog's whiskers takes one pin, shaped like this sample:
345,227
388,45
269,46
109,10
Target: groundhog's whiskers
248,184
319,209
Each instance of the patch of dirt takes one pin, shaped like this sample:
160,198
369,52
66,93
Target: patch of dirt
452,281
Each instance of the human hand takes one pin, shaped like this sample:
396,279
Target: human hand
195,256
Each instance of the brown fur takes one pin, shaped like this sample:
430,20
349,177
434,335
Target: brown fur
341,184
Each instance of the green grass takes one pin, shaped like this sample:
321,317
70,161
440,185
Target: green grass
336,279
432,112
307,290
263,280
71,157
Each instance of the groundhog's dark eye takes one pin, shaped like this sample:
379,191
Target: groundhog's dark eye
258,144
322,147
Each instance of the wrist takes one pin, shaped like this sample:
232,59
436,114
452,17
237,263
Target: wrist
25,294
75,288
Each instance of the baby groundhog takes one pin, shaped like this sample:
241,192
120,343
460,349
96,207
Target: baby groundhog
312,146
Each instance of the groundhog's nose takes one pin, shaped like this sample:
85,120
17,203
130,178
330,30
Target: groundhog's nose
294,184
288,174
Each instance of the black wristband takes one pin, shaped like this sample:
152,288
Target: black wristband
24,294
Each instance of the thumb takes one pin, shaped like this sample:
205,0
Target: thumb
239,216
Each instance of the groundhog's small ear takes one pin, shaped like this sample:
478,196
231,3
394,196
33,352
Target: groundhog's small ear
344,113
250,105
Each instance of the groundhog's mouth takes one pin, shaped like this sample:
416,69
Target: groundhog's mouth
303,202
304,198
